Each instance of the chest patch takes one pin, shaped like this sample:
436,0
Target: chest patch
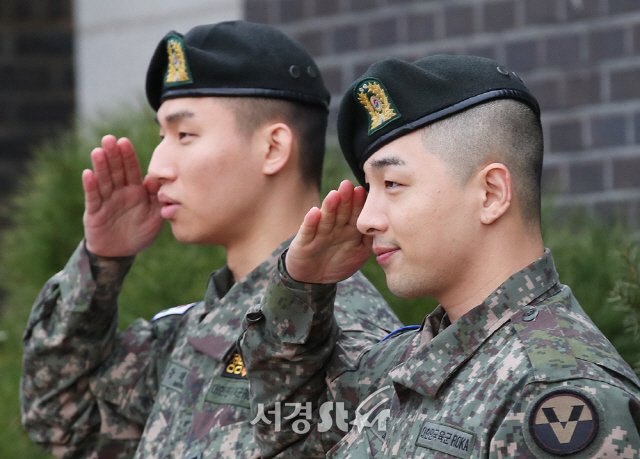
175,376
232,386
563,422
447,439
235,368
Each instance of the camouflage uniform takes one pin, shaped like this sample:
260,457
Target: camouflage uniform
172,388
525,374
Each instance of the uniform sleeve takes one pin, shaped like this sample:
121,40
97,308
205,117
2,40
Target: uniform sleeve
581,418
86,388
296,355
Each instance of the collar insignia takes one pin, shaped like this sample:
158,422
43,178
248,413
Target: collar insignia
379,106
564,422
235,368
178,68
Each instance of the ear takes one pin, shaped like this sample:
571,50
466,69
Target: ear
495,182
277,142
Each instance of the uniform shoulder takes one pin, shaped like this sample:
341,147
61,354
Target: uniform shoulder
562,342
584,417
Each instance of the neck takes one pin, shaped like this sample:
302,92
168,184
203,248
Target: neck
278,219
499,258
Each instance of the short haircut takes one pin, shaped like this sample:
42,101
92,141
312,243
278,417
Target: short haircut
308,123
505,131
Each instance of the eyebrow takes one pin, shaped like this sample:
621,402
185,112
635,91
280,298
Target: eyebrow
388,161
173,118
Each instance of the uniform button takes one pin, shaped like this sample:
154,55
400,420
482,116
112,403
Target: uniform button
294,71
502,69
312,72
530,314
253,317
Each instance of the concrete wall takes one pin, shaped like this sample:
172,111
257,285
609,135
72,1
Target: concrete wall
580,57
36,79
115,40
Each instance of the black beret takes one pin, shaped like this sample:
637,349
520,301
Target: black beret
235,58
395,97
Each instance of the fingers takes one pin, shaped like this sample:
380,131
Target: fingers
152,186
115,165
114,160
130,162
101,172
337,211
92,199
328,213
343,212
308,228
359,199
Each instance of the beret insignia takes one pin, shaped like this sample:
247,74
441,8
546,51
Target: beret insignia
379,106
177,67
563,422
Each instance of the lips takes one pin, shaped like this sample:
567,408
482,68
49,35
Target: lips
169,206
383,254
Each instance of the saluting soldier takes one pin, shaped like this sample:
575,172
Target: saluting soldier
449,149
242,111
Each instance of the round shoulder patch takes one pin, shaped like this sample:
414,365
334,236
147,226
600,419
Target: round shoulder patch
563,421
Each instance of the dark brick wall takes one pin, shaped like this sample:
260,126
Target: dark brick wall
36,79
580,57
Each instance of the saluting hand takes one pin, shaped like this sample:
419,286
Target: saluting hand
328,247
122,212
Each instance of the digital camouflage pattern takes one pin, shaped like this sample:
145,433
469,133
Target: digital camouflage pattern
525,374
174,387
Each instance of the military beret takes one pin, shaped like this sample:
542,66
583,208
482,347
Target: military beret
236,58
394,98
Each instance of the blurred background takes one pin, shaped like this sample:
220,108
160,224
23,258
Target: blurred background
72,71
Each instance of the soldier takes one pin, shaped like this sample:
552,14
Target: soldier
508,365
242,111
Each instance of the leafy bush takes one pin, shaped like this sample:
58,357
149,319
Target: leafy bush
46,216
625,298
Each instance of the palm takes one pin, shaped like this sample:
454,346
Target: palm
122,214
329,248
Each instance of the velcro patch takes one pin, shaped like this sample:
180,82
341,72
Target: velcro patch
225,391
235,368
175,376
563,421
447,439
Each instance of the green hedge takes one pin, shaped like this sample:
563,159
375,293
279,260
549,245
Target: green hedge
46,214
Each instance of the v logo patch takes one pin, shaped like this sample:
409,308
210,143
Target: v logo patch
563,422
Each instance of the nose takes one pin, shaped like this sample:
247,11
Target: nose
161,167
372,219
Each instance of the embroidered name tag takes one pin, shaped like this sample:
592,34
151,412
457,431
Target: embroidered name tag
175,376
228,391
447,439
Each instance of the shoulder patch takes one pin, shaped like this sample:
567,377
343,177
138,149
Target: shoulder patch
178,310
563,421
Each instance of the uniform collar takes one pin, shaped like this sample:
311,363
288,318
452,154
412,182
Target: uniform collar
444,349
220,327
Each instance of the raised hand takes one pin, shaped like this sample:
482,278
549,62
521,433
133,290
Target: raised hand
328,247
122,212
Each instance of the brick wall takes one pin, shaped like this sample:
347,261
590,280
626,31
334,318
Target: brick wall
36,78
580,57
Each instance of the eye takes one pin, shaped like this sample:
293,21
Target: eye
390,184
183,135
